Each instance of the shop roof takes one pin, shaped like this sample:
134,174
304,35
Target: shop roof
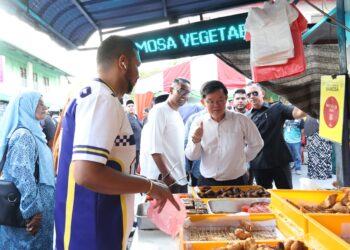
72,22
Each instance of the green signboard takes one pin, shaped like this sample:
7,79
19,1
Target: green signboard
206,37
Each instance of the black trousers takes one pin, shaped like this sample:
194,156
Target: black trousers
251,177
282,176
176,188
240,181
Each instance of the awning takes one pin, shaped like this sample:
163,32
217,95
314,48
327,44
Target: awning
72,22
198,70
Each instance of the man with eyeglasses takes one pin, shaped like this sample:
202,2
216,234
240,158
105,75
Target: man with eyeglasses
240,101
164,142
272,162
223,140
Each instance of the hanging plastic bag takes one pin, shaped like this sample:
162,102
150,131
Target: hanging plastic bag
271,39
295,65
169,220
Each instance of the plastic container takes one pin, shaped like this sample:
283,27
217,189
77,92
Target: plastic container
223,206
143,222
196,190
328,231
279,204
283,230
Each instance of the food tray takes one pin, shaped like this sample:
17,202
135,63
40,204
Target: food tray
196,190
223,206
280,205
143,222
195,206
216,219
329,231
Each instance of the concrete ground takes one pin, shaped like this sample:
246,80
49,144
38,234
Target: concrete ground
299,181
303,182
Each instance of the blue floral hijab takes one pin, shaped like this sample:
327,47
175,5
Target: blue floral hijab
21,113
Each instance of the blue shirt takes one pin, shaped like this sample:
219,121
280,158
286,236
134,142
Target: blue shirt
292,130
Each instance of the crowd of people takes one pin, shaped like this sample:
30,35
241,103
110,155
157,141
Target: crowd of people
103,143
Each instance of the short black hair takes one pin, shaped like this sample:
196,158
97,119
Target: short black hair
129,102
180,80
161,98
255,84
239,91
112,48
212,86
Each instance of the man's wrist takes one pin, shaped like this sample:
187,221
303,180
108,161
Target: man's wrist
196,140
151,187
164,176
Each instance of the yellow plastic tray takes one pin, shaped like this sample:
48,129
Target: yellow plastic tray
324,231
282,226
279,204
217,188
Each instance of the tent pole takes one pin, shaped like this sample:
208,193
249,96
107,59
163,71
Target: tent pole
342,151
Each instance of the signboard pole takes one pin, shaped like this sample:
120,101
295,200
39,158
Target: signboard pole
342,151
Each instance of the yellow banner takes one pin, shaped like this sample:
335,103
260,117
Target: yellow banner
332,107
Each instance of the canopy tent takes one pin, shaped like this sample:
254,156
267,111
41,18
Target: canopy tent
198,70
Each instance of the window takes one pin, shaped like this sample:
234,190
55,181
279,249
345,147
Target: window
46,84
23,72
35,77
46,81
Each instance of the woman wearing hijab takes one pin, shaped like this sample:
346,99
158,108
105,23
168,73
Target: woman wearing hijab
20,130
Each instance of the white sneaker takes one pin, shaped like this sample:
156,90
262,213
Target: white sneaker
298,172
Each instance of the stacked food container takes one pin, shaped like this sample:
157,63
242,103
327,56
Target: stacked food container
246,217
238,218
322,216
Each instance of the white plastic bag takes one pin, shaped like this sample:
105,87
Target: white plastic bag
269,28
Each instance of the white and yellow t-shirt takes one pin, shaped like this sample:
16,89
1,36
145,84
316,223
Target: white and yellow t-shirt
95,128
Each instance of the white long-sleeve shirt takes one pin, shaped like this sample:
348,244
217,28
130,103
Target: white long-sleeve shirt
225,146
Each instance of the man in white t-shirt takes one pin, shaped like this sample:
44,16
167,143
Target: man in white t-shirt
164,144
94,192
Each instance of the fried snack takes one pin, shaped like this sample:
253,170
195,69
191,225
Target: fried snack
298,245
346,199
265,247
235,246
288,244
247,225
292,244
242,234
311,209
340,208
250,244
329,201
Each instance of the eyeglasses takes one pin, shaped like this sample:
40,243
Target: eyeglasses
254,93
217,102
183,92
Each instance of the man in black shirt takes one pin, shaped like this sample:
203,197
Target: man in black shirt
272,163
